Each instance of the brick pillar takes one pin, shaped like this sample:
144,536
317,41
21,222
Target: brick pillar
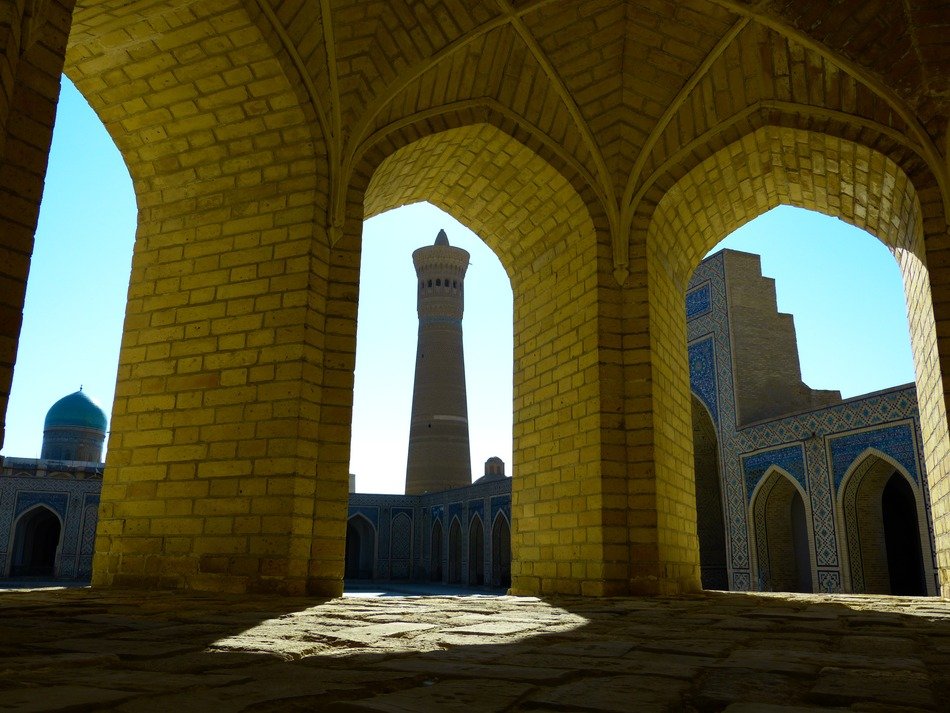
32,51
568,489
927,290
227,461
663,531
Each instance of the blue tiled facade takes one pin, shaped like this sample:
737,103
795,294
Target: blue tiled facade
816,448
68,490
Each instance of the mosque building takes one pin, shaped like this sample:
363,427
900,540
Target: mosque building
48,505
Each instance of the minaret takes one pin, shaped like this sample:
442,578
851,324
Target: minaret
439,457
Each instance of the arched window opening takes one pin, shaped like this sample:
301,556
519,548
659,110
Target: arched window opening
501,552
360,548
35,544
476,553
387,338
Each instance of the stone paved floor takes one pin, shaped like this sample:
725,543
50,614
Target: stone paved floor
81,649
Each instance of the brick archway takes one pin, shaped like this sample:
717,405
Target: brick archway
773,166
542,232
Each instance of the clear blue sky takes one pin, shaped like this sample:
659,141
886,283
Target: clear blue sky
843,287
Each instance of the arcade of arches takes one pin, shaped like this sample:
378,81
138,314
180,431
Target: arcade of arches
599,148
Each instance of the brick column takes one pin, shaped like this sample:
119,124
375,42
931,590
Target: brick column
227,459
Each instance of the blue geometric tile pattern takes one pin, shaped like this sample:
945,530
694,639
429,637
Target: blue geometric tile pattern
54,501
370,512
702,374
698,302
790,459
501,503
895,441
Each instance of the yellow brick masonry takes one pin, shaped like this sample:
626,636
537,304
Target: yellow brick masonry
600,149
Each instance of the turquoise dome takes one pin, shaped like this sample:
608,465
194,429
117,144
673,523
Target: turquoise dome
76,410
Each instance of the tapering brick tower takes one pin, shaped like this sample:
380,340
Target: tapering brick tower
439,457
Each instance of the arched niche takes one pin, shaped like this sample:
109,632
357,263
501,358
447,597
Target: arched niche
360,548
882,529
37,535
501,552
782,536
710,522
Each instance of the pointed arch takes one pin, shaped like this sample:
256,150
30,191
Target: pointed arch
476,552
360,548
501,551
37,541
882,528
781,534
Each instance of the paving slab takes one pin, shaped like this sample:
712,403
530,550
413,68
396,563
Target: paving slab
142,652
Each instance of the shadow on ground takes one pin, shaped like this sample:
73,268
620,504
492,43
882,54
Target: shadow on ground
108,650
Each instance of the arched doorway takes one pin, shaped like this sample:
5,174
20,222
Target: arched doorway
501,552
435,553
782,542
709,520
476,553
905,563
35,543
881,529
360,548
455,552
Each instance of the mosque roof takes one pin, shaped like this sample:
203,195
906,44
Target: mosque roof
76,410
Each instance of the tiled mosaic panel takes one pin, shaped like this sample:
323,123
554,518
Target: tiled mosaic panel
896,441
698,301
790,459
829,582
58,502
501,503
702,376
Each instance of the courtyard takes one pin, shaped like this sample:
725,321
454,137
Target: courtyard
109,650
